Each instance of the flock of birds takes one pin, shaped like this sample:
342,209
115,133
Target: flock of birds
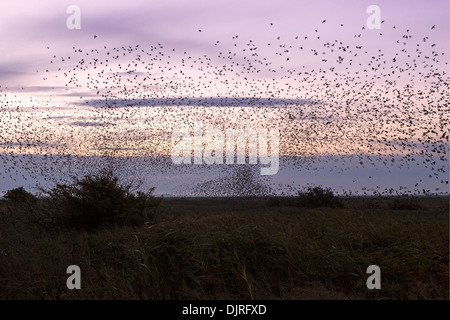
385,105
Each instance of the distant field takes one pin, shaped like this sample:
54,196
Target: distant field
232,248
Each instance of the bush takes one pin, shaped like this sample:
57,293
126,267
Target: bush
318,197
19,195
405,203
373,202
273,202
99,201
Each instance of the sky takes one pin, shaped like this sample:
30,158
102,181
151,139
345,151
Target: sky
28,27
315,59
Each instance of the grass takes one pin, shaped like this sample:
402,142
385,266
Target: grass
235,248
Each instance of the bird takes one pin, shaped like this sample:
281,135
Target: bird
341,106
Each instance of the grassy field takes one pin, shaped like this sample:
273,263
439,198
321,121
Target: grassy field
235,249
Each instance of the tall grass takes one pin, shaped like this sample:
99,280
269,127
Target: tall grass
233,249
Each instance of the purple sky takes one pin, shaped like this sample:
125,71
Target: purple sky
28,27
287,36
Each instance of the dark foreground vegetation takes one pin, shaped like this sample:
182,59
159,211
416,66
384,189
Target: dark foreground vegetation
129,245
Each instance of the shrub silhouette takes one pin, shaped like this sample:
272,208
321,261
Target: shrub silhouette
273,202
19,195
318,197
100,201
405,203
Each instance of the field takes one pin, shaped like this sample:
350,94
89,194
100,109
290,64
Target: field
235,248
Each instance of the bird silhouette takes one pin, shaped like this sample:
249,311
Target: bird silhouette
340,105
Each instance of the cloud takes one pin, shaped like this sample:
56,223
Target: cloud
118,149
13,69
29,144
192,101
78,94
35,89
89,124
